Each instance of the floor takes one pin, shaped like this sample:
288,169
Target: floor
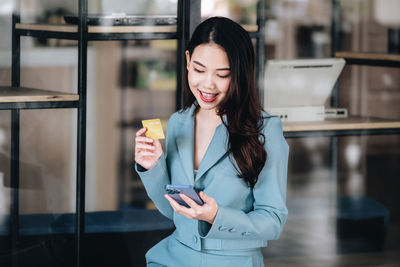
301,246
382,259
309,237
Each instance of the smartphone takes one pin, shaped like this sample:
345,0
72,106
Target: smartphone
173,190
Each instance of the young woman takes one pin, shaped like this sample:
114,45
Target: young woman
228,148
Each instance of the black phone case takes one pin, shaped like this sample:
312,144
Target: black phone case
174,191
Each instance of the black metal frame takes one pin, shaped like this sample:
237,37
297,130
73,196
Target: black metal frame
81,149
15,123
183,29
122,143
334,135
14,207
260,53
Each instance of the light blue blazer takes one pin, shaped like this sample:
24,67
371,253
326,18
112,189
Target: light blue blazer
247,218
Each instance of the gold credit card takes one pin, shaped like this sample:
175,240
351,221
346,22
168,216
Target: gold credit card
154,128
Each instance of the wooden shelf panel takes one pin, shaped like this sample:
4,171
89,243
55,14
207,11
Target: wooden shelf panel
372,59
67,28
131,29
250,27
47,27
368,56
22,94
351,123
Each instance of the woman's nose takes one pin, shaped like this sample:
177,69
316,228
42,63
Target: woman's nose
209,82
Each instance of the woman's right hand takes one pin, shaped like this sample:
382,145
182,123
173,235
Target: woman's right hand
147,151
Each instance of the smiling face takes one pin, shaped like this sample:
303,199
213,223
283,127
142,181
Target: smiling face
209,75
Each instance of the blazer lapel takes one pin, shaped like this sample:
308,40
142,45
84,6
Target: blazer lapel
185,144
216,150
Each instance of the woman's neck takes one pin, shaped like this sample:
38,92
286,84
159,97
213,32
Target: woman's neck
209,116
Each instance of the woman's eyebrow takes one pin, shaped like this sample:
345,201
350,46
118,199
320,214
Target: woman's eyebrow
198,63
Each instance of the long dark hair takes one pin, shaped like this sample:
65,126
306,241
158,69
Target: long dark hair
241,105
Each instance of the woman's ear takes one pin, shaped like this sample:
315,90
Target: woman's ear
187,59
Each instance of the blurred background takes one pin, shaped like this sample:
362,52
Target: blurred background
133,80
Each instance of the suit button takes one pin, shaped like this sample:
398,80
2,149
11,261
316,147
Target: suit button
246,233
222,228
232,230
194,239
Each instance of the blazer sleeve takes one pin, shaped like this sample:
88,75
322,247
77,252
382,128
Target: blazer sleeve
155,179
268,216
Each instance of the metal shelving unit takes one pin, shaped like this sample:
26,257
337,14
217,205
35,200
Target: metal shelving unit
352,126
361,126
16,98
355,126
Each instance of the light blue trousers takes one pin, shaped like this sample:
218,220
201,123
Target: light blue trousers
172,253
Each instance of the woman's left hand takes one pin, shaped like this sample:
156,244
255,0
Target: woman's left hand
206,212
